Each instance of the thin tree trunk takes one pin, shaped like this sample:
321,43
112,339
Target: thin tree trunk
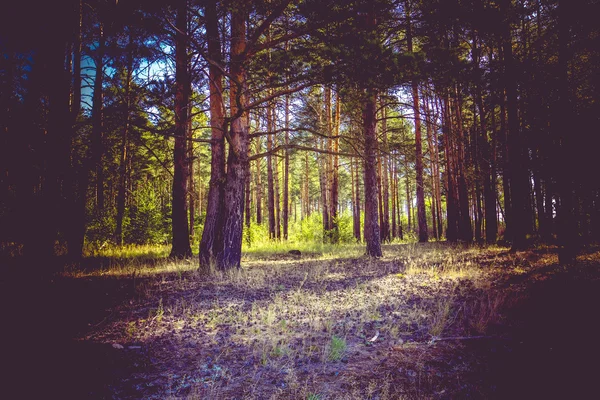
335,174
408,197
323,185
306,186
123,158
181,239
489,189
286,170
248,213
372,238
385,179
270,177
353,185
421,211
567,211
98,122
259,187
429,132
452,215
464,222
276,187
394,182
191,191
76,234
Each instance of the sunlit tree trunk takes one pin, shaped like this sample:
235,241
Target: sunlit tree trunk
286,170
237,160
385,180
372,237
259,187
323,186
211,243
432,166
394,184
276,186
335,173
270,175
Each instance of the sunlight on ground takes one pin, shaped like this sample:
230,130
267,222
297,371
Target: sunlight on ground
325,307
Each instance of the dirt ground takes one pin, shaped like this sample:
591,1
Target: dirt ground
426,321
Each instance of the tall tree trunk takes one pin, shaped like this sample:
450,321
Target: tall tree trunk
286,170
323,185
506,158
121,192
408,196
259,187
211,243
489,187
393,180
270,177
98,121
567,211
335,173
276,184
464,222
452,214
55,184
76,234
421,212
237,160
355,202
191,189
248,212
372,238
306,184
385,180
432,167
518,168
181,238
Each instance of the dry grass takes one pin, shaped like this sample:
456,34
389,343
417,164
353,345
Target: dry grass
318,326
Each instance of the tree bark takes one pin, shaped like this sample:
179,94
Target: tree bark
181,239
385,180
286,170
518,168
98,122
237,160
211,243
121,192
372,238
335,174
421,212
270,178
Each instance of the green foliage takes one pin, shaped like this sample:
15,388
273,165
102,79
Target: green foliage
145,223
337,348
255,233
309,229
345,226
100,230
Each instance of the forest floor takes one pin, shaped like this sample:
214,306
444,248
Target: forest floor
425,321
